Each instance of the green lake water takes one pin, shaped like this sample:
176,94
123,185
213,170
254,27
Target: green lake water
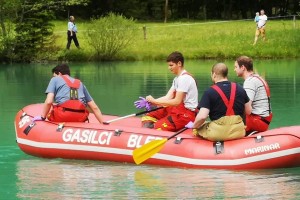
114,87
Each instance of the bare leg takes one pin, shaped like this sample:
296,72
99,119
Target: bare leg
255,40
264,34
256,36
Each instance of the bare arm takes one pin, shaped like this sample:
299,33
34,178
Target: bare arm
47,104
168,100
96,110
201,117
248,108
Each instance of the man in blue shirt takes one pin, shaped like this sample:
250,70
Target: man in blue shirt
68,98
225,103
72,30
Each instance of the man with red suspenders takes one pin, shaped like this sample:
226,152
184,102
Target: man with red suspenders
68,98
180,103
225,103
259,93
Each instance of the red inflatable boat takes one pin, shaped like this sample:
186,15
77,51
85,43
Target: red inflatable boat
277,148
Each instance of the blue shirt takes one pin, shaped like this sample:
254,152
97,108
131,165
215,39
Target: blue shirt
72,26
213,101
61,90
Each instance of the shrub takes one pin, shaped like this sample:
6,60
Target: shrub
111,34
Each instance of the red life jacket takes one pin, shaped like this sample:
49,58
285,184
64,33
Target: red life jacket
228,103
72,110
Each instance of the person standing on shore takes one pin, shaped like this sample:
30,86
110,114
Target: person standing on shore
72,30
261,25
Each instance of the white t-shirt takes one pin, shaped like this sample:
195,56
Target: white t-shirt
262,21
187,84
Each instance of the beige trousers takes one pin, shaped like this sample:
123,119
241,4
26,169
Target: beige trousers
225,128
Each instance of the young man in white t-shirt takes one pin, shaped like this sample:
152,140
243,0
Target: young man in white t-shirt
180,103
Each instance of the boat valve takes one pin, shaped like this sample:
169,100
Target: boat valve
118,132
178,140
259,139
23,115
60,127
219,147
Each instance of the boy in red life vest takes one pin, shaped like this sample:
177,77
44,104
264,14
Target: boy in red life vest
179,103
259,93
225,103
68,98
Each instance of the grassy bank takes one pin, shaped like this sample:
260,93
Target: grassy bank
197,40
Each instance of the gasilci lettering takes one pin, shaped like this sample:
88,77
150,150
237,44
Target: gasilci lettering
261,149
87,136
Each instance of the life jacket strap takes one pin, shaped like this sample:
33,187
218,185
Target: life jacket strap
228,103
74,86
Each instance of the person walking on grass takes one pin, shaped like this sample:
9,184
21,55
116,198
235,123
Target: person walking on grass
72,31
261,27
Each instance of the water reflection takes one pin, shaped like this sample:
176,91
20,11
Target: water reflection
212,184
60,179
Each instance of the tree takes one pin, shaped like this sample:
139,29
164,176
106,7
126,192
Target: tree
33,31
33,35
8,15
166,10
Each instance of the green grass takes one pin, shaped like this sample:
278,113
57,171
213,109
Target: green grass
197,40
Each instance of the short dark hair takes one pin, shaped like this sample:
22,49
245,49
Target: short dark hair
175,57
246,61
62,68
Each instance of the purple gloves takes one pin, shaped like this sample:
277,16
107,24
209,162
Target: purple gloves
142,103
189,125
38,118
